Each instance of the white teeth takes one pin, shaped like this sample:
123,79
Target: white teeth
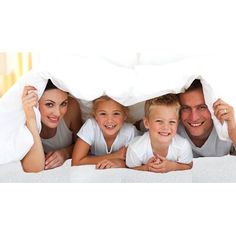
196,125
109,126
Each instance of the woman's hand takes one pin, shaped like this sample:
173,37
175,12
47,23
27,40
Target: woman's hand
54,159
29,100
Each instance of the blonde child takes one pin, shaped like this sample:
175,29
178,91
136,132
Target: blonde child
102,140
160,149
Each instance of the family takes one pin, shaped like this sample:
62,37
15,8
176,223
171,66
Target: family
175,129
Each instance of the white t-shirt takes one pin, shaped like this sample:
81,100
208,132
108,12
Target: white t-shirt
213,147
140,151
91,133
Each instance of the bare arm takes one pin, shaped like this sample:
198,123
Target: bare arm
166,166
34,160
73,121
162,165
81,150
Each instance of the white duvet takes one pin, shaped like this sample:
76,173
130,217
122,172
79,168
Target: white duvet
87,79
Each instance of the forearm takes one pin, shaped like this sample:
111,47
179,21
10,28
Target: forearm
67,152
182,166
34,160
143,168
93,160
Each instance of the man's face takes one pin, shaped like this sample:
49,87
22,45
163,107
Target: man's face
195,115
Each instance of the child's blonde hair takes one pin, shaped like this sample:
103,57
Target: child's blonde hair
106,98
169,99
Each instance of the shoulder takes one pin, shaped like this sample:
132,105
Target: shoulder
73,105
140,141
129,128
180,142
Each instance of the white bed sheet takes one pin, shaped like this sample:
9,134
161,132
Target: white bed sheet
207,169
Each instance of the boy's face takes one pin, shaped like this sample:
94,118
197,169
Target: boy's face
162,123
110,117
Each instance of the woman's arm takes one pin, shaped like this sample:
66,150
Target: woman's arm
34,160
81,150
73,121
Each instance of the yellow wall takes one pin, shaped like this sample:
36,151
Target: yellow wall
12,66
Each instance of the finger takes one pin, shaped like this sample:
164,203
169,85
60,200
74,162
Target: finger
100,164
160,157
51,158
53,164
48,154
108,165
218,103
27,89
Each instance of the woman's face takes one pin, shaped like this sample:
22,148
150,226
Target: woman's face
53,106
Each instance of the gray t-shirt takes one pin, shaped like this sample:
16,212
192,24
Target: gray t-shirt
62,139
213,147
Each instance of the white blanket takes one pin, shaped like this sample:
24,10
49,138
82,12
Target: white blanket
207,169
87,79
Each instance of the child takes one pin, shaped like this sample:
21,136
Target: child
104,138
160,149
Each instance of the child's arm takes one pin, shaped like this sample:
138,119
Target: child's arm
81,150
145,167
114,163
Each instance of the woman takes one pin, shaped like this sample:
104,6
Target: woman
61,120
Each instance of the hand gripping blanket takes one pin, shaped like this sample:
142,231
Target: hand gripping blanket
87,79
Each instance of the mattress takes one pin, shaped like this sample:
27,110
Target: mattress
207,169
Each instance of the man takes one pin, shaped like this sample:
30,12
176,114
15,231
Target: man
197,124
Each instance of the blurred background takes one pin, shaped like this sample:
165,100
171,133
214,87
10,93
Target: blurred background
12,66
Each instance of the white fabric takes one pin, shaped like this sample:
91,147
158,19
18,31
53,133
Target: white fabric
211,170
91,133
212,147
140,151
62,139
87,79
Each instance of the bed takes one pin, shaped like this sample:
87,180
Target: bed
207,169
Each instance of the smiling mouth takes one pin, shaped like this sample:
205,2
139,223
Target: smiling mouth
53,120
110,126
164,134
194,125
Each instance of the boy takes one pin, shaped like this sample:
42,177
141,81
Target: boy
160,149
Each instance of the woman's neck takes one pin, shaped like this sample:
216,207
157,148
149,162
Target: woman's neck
47,132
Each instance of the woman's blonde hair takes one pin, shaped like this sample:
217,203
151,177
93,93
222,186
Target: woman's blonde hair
106,98
169,99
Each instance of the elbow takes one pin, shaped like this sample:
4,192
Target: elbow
32,168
